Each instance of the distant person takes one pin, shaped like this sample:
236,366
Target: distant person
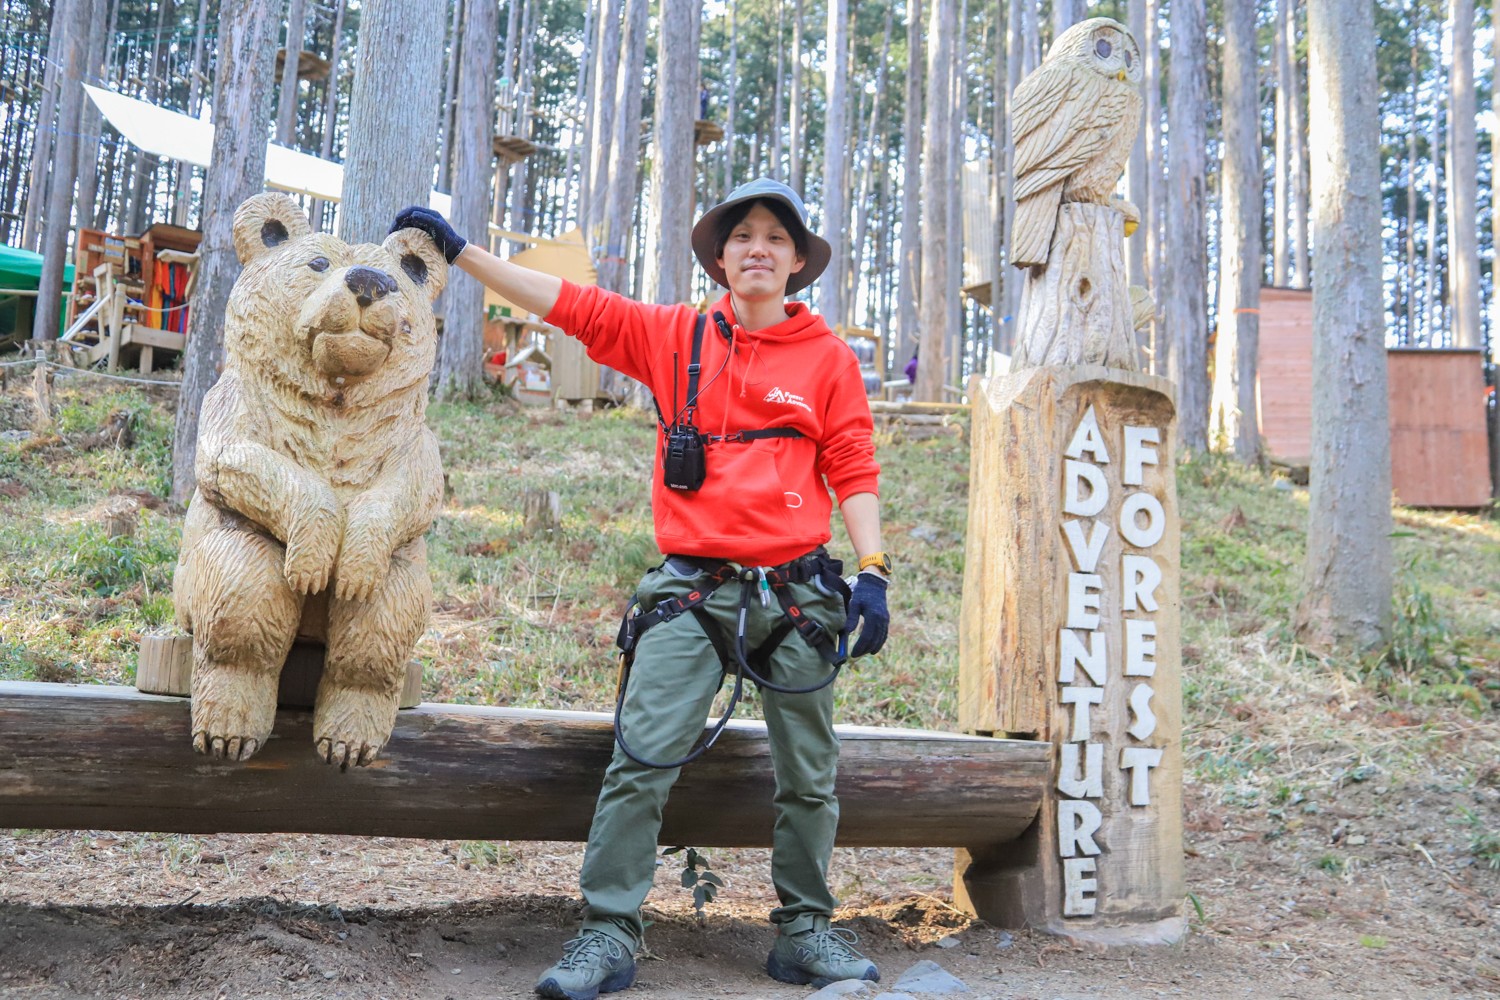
911,369
741,507
703,102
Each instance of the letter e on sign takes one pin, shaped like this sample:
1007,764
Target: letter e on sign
1078,892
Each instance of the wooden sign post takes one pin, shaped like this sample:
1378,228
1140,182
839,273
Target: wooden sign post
1071,630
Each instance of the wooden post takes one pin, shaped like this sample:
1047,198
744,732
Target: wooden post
1070,630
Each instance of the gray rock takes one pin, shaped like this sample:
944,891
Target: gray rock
925,533
15,435
930,978
893,996
1005,940
845,988
951,941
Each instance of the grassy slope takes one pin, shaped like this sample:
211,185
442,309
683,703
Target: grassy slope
528,619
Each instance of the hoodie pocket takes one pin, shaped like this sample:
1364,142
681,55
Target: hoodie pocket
744,491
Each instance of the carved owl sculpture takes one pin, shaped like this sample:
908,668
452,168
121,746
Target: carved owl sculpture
1073,120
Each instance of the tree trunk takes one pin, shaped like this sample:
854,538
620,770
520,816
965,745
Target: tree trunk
1463,190
1410,338
392,116
729,98
286,104
625,156
1301,276
1136,181
1281,185
1430,334
958,106
911,201
43,134
776,168
461,365
330,112
521,184
1065,14
937,176
92,122
669,258
1157,181
57,218
1347,581
1184,310
1494,242
446,111
606,78
795,150
831,291
242,87
1236,419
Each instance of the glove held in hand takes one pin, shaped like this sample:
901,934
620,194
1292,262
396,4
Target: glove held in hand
434,225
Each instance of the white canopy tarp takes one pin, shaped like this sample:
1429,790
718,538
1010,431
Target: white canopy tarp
191,140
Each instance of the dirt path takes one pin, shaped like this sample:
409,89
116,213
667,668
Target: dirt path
1338,903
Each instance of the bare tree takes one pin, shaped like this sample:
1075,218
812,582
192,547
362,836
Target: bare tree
446,110
1297,157
625,152
286,103
331,105
1463,187
42,135
56,219
835,149
1281,184
1184,309
796,152
1346,587
669,259
604,57
460,367
1136,180
236,171
1236,418
392,115
1495,242
91,123
911,172
937,175
1156,181
1065,14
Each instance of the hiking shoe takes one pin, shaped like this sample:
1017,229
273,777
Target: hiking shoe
592,963
819,957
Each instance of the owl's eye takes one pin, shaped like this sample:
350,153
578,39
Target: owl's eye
1127,59
1102,48
318,263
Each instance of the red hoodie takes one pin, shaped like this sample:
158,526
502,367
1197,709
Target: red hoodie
764,501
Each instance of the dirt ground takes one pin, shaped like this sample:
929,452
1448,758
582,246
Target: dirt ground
1365,891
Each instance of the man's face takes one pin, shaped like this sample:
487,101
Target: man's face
759,256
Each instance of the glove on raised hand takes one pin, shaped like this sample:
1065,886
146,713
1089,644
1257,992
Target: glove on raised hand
867,601
449,243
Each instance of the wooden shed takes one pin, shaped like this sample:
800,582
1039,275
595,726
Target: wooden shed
1439,442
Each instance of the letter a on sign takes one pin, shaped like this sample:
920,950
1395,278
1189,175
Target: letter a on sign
1087,439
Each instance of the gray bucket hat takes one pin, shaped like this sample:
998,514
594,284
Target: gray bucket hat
818,250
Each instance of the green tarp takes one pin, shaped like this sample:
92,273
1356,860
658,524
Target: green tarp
22,269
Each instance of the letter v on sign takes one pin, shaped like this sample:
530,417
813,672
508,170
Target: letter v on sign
1086,553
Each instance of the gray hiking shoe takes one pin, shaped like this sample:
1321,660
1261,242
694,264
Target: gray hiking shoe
592,963
818,957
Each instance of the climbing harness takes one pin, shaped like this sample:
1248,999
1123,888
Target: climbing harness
757,583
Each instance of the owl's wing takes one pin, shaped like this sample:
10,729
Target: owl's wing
1057,124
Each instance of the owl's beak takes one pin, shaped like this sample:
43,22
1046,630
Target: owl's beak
1120,76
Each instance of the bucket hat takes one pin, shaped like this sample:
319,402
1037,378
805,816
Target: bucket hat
818,250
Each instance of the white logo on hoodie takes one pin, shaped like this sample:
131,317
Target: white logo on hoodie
776,395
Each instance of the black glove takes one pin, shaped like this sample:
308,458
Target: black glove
868,602
449,243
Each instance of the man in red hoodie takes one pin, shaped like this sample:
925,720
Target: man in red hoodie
763,411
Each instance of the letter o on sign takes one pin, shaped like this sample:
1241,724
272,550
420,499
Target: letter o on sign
1156,520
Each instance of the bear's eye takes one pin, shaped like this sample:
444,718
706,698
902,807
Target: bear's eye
415,268
318,263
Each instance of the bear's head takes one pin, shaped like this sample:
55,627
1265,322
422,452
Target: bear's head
326,317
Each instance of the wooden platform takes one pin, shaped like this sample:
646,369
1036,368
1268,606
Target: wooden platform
109,758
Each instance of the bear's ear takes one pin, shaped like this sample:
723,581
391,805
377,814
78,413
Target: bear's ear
420,259
265,222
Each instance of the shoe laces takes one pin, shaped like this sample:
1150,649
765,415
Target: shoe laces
589,949
836,944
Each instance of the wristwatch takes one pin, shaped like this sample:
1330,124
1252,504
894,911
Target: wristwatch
876,560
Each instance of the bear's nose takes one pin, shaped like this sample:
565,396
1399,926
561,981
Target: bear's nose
368,284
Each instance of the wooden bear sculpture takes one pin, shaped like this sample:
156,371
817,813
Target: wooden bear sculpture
317,478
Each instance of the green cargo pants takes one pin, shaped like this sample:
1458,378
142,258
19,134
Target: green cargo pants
672,685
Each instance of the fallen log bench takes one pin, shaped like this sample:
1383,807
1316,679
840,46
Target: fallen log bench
110,758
